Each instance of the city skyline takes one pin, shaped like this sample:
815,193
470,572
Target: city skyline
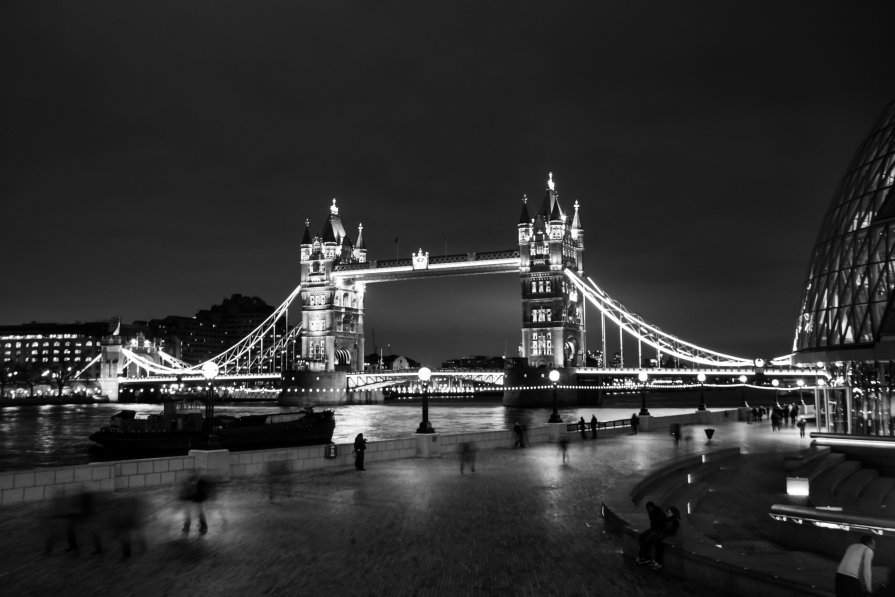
157,159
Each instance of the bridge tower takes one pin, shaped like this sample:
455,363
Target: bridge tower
332,337
552,308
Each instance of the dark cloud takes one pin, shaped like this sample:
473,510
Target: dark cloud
158,157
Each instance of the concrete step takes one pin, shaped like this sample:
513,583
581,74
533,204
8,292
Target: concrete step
823,487
852,486
870,500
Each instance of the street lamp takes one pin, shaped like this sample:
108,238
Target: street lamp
801,384
743,380
209,372
701,378
776,384
424,374
554,377
642,376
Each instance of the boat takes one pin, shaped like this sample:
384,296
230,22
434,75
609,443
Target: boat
181,427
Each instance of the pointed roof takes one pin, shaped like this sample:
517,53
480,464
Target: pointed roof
576,220
327,232
306,239
360,237
556,213
524,217
551,201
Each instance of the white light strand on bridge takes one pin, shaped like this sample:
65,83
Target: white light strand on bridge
652,335
229,360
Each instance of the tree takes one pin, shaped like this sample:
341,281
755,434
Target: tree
7,378
60,374
29,374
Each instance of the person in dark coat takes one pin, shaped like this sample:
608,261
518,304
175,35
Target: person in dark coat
635,421
669,529
593,427
649,536
520,438
360,444
793,414
195,490
582,427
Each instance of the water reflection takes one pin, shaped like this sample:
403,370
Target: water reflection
57,435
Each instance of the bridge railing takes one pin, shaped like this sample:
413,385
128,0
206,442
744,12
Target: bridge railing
616,424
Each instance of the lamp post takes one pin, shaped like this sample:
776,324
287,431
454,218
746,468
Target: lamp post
743,380
776,384
209,372
801,384
424,374
642,376
701,378
554,417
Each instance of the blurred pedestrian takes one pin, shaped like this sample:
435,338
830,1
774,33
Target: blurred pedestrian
635,421
194,491
520,441
854,575
127,518
564,448
467,456
279,480
582,427
80,513
593,427
360,444
801,425
676,432
793,413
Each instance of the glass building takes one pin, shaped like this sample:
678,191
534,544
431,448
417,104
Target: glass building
847,316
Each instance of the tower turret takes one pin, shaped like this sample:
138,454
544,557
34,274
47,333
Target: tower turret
552,325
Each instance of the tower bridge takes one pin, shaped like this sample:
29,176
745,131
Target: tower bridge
323,347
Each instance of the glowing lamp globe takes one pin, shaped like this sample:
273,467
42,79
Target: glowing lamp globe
743,379
701,377
642,376
424,374
554,375
800,382
775,382
210,369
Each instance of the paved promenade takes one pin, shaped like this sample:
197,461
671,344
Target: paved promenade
522,524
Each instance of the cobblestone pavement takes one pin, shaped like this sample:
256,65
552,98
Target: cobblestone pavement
522,524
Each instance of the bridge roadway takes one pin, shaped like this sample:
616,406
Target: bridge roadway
367,380
522,524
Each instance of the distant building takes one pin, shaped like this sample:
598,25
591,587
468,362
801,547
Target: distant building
475,362
211,331
53,345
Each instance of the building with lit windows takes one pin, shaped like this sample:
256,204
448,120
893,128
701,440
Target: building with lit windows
53,346
847,313
211,331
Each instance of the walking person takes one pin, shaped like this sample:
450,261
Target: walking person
360,444
467,456
520,438
582,427
593,427
635,421
564,448
793,413
854,575
194,491
801,425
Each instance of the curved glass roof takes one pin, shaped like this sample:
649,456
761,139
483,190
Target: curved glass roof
851,279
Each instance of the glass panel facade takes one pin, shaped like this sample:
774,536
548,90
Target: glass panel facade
847,299
852,258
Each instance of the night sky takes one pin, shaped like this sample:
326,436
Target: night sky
157,157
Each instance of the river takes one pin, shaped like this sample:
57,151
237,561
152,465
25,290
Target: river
57,435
